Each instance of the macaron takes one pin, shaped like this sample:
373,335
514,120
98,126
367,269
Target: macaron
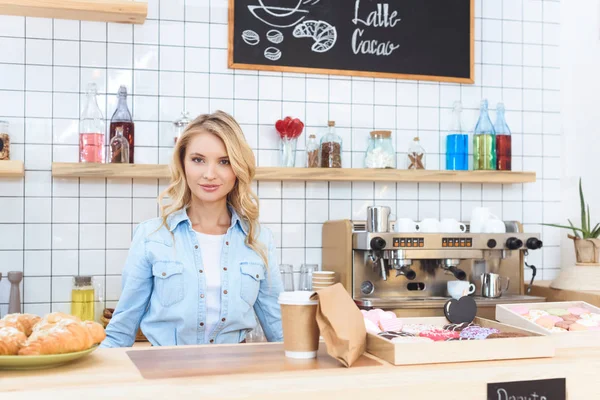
587,315
557,311
521,310
570,317
587,322
546,322
564,324
577,327
557,329
577,310
439,335
554,318
595,316
390,324
535,314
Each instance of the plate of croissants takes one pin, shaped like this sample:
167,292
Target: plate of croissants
31,342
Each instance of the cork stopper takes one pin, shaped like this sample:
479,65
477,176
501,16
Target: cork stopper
82,281
312,136
331,123
385,134
416,139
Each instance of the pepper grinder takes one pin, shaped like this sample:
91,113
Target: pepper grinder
14,301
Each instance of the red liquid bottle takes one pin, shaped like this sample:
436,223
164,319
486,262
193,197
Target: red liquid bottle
503,141
91,129
122,119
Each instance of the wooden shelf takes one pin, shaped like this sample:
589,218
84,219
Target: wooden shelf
126,11
11,168
301,174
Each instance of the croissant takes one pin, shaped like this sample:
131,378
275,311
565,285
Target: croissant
96,330
11,340
65,336
22,322
52,319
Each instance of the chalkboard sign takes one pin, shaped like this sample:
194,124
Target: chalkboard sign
543,389
409,39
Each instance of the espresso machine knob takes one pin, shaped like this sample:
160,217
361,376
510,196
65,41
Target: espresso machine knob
514,243
491,243
534,243
378,243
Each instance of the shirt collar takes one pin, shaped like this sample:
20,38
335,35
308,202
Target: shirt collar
181,215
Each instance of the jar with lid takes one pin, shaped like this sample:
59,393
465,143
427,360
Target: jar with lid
416,155
4,141
179,125
331,148
84,297
312,152
380,153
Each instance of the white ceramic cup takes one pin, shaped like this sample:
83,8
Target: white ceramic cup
458,289
429,225
494,226
479,217
450,225
406,225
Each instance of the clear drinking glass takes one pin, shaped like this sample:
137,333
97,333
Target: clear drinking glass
287,276
306,274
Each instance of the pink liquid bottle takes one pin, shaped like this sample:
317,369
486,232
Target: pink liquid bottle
91,129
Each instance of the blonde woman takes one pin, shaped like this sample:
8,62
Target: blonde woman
200,272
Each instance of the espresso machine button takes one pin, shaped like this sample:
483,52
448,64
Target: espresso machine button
514,243
367,287
533,243
491,243
378,243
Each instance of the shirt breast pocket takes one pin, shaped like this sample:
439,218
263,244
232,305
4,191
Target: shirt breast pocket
252,273
168,282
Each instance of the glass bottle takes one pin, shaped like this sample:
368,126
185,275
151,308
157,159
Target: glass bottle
457,143
416,155
380,152
484,141
503,140
83,298
180,124
118,148
122,118
312,152
331,148
91,129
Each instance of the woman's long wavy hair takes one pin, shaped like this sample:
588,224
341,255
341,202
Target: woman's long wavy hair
241,198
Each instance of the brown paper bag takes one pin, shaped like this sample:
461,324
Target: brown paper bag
341,324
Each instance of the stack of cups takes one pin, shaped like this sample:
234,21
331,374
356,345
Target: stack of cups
322,279
300,328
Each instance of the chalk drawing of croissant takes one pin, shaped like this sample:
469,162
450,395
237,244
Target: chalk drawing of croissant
324,34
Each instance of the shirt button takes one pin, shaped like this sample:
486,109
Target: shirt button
196,246
227,243
201,323
201,296
201,271
164,274
223,319
257,276
212,340
224,291
224,268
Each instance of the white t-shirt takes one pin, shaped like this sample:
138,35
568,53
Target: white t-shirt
211,246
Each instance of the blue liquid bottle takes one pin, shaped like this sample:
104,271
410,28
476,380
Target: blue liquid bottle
457,143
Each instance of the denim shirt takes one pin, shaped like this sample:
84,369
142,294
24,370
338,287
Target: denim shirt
164,287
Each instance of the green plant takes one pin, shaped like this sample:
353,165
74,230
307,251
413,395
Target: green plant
585,231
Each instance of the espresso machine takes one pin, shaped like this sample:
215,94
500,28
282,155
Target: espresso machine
408,272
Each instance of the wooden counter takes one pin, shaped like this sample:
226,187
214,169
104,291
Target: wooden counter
110,374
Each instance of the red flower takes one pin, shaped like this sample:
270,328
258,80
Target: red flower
289,128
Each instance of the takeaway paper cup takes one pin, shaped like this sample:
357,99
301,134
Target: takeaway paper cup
300,329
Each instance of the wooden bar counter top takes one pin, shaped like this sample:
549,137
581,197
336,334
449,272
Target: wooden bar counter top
111,374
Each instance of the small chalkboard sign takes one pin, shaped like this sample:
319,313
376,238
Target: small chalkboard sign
409,39
544,389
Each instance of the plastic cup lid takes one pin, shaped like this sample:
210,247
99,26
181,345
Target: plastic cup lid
299,298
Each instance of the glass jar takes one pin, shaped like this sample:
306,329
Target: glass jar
179,125
312,152
331,148
416,155
380,153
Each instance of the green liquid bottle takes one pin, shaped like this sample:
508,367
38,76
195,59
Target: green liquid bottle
484,141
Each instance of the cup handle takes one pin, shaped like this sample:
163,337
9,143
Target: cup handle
507,285
471,289
462,227
417,228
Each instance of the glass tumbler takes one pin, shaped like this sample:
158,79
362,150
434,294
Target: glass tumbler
287,277
306,274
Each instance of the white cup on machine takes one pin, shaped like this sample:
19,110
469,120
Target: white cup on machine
429,225
479,217
450,225
406,225
458,289
494,226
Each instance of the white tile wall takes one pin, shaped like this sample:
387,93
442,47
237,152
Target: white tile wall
56,227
